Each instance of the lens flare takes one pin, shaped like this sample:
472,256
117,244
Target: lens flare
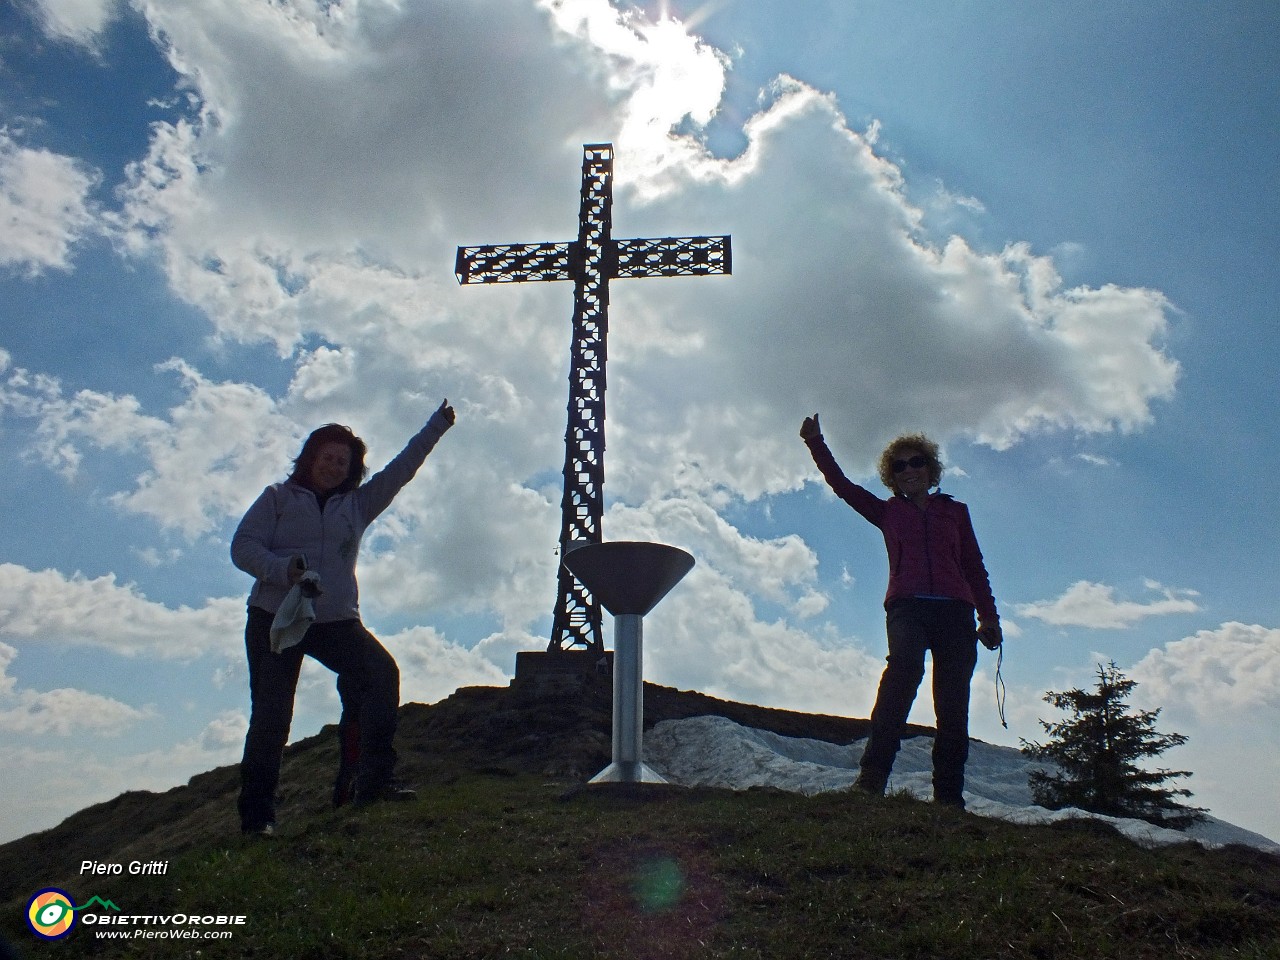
658,885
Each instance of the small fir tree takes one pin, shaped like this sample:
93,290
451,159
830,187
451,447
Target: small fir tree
1097,751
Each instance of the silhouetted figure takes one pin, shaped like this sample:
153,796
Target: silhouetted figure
311,524
937,579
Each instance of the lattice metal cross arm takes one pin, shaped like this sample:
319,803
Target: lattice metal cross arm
515,263
656,257
673,257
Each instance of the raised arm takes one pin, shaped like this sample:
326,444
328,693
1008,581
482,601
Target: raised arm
864,501
376,495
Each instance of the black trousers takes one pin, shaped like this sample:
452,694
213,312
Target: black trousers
368,678
947,629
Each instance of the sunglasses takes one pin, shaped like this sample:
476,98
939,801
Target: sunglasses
914,463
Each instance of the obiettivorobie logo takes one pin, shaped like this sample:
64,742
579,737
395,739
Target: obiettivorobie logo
51,913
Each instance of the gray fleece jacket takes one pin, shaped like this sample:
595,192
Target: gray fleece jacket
286,520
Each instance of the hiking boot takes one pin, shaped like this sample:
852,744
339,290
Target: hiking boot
871,783
393,792
344,788
953,800
262,831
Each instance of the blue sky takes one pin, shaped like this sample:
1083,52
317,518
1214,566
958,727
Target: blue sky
1042,234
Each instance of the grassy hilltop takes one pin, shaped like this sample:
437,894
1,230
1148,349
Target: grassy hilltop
505,854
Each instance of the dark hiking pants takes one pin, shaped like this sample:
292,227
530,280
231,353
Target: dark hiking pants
946,628
367,673
344,782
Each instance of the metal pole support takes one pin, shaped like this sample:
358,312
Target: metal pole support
628,705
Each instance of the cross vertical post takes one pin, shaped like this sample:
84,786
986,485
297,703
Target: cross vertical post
590,262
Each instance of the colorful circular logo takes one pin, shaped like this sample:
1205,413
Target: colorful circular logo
51,914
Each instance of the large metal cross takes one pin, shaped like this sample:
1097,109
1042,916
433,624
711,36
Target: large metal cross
590,262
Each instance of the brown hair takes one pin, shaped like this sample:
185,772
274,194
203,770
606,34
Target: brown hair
331,433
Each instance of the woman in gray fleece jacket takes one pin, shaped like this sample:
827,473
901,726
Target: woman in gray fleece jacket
314,521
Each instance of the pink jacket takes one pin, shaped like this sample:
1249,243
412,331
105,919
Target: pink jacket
933,552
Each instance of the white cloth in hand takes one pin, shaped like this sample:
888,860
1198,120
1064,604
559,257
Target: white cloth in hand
296,614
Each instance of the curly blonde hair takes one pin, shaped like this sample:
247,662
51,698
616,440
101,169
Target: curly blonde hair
910,441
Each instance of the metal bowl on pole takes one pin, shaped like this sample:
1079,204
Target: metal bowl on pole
629,578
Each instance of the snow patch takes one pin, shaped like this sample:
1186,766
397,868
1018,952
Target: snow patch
716,752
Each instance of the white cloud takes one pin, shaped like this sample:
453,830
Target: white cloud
841,309
77,21
205,462
431,667
62,712
1094,460
400,117
44,207
57,783
49,607
66,711
834,310
230,199
707,636
223,433
1217,673
224,733
1096,605
62,423
769,569
1221,688
465,538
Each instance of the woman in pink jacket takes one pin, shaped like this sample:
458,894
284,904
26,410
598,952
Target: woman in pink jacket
937,580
